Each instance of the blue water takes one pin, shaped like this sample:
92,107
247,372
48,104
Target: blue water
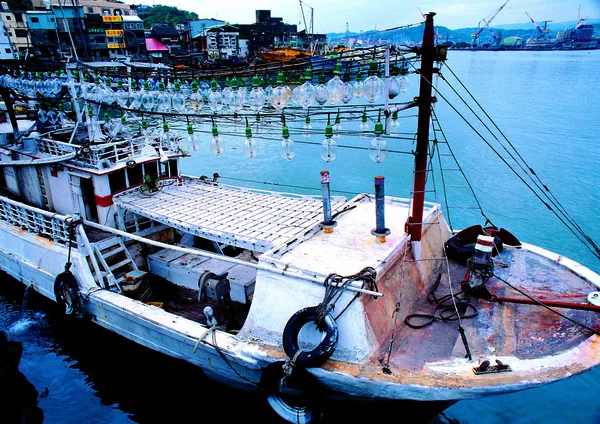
545,103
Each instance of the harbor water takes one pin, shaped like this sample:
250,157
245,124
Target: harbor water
546,105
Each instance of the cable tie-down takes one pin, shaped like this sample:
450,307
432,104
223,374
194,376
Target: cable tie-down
486,368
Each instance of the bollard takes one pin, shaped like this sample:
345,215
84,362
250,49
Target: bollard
328,222
380,231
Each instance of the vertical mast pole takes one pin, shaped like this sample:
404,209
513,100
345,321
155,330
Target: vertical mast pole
427,51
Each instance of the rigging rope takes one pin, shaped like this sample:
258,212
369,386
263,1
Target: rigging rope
548,193
593,248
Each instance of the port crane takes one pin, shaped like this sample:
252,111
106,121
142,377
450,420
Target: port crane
541,33
486,24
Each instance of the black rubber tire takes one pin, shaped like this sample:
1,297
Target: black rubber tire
319,354
461,250
66,292
306,406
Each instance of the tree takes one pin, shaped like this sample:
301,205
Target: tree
166,15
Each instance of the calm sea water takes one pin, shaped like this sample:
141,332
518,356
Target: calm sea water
545,103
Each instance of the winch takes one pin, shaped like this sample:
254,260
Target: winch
213,286
481,267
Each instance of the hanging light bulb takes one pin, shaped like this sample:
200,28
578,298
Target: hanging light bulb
135,96
307,127
269,88
359,87
63,119
216,144
279,95
364,125
148,149
109,96
256,97
52,117
204,88
148,100
168,140
286,147
237,97
403,80
163,99
321,90
163,155
373,85
305,93
335,86
328,146
124,129
394,83
226,93
56,85
121,96
178,99
348,89
337,127
195,98
250,144
394,125
215,98
378,146
110,128
192,139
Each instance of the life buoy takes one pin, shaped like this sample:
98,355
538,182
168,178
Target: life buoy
66,292
461,246
304,406
323,351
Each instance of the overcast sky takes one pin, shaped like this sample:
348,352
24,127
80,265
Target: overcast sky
332,15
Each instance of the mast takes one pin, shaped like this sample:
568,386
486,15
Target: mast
427,52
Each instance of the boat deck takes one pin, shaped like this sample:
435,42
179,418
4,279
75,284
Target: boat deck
252,219
501,328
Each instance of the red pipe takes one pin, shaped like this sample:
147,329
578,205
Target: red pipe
580,306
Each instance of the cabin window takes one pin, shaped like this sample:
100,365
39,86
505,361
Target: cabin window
21,32
35,19
117,181
8,18
134,175
90,9
169,168
7,51
2,178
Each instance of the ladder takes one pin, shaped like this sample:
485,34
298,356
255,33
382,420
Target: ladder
114,260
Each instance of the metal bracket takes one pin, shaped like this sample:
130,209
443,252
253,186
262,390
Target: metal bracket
486,368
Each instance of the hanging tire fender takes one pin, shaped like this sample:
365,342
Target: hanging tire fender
308,404
323,351
66,291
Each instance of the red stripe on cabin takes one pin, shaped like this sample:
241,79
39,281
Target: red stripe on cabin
485,242
104,201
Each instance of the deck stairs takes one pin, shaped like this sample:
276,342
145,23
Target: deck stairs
115,262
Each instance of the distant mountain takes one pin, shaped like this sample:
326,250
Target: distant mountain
415,34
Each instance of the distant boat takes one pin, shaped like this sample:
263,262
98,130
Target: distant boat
285,54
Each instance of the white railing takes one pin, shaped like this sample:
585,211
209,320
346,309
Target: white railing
98,156
35,221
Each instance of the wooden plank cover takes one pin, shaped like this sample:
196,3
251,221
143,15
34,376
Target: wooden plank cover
256,220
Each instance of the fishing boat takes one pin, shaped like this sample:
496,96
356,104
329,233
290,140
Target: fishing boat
304,300
285,54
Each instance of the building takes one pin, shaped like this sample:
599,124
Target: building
199,26
167,36
43,33
6,51
222,42
15,25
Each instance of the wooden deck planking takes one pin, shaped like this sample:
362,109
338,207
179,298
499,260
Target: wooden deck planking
239,217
